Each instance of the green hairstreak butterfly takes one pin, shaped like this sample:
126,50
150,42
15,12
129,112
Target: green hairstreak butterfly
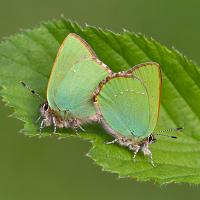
129,103
75,75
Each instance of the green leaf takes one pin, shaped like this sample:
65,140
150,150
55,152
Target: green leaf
29,57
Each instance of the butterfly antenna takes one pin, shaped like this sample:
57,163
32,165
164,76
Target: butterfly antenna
31,90
171,136
169,130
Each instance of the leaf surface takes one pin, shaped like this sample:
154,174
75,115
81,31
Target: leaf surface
29,57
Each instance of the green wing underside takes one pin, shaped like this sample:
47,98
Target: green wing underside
74,77
131,106
76,89
125,107
70,52
150,75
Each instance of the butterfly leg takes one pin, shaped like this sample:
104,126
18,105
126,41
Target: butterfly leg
46,121
54,124
147,152
76,125
76,131
113,141
80,127
41,125
38,119
135,151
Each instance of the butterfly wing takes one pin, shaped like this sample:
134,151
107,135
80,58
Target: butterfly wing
123,103
72,50
150,75
75,74
76,89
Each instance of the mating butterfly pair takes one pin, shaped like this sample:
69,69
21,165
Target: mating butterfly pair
82,89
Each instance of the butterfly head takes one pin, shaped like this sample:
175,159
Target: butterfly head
45,110
151,139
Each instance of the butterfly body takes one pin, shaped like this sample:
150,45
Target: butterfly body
76,73
129,104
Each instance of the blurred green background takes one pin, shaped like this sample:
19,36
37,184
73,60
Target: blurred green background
41,169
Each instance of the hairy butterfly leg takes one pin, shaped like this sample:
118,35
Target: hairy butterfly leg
135,150
44,123
75,124
113,141
54,124
41,126
145,149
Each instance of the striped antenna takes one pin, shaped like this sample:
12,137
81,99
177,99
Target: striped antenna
32,91
169,130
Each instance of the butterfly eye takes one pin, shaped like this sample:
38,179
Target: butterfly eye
151,139
45,106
